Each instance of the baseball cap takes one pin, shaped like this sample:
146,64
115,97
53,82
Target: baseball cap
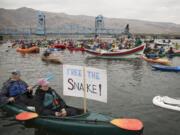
16,72
43,82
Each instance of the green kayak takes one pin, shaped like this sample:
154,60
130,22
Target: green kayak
83,124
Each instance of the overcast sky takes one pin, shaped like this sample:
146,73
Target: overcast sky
151,10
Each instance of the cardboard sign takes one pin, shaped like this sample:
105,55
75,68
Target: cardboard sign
96,82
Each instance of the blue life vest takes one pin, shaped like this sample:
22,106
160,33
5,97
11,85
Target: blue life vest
17,88
151,55
51,99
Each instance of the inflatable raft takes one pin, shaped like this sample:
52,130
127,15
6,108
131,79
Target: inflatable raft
33,49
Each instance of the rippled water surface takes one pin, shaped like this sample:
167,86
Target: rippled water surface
132,84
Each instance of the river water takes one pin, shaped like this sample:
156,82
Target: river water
132,84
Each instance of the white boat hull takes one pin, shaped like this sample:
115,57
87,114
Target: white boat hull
167,102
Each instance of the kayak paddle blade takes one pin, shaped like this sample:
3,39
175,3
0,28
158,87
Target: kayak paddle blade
128,124
26,116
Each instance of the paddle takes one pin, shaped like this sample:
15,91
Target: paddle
49,77
26,116
124,123
128,124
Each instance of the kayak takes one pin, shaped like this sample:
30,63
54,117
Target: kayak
167,68
83,124
33,49
51,59
173,101
156,60
167,102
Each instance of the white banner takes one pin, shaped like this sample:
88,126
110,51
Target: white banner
96,82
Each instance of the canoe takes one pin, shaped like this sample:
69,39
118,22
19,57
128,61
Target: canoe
33,49
156,60
167,68
51,59
83,124
124,53
167,102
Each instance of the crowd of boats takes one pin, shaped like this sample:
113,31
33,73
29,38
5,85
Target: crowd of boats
121,48
84,123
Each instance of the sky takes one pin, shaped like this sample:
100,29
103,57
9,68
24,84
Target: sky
150,10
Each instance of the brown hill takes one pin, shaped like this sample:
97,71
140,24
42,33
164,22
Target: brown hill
27,17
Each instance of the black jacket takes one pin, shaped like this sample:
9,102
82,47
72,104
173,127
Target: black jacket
48,109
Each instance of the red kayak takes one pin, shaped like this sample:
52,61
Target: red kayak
61,46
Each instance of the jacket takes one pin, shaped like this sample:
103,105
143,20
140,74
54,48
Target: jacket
48,102
13,88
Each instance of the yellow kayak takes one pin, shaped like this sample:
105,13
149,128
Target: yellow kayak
157,60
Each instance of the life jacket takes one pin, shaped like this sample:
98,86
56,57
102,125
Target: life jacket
51,99
17,88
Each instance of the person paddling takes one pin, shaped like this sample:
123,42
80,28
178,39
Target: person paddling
47,53
16,90
48,102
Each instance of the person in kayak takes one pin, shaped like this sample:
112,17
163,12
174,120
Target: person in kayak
46,53
170,51
148,49
161,50
48,102
16,90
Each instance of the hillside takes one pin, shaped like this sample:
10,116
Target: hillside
27,17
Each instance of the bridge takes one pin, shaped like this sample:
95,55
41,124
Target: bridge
67,29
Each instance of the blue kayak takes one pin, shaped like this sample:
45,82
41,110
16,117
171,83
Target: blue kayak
167,68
